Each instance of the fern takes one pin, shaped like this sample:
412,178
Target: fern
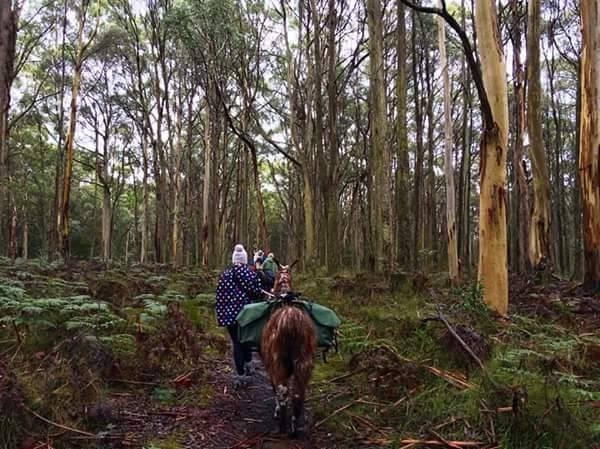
11,289
62,315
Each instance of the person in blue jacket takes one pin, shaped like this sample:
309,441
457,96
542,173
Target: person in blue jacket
238,285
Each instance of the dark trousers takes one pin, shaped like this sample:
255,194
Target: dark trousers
241,354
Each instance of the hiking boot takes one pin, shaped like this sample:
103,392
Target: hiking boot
240,382
249,368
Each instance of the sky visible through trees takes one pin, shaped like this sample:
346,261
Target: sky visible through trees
200,123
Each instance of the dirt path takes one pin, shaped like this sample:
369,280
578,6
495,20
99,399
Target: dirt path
241,419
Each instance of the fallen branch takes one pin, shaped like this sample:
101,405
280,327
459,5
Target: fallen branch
343,376
183,377
446,443
368,424
256,440
133,382
57,425
465,346
497,410
456,444
459,339
450,377
409,443
401,400
339,410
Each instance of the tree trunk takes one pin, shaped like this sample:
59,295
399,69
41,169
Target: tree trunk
560,250
589,156
69,151
378,131
145,201
330,197
320,173
521,196
448,167
418,179
539,244
12,232
106,223
403,250
464,187
262,220
25,231
8,37
430,228
493,271
56,211
577,197
206,206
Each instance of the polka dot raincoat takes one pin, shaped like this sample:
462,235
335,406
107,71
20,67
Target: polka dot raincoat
238,286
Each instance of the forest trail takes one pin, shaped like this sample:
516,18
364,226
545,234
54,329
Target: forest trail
233,419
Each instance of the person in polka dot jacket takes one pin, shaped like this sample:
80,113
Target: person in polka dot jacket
238,286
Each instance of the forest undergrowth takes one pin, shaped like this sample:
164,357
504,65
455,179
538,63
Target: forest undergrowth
132,357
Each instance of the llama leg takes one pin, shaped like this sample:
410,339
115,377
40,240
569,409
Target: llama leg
298,416
298,405
277,404
281,400
282,418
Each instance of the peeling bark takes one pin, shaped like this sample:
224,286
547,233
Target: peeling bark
589,154
448,166
493,272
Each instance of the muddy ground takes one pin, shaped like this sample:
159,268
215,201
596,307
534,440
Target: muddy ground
240,419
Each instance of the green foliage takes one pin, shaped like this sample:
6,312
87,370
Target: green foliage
164,395
69,313
545,360
470,299
11,290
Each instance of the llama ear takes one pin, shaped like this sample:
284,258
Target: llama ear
294,263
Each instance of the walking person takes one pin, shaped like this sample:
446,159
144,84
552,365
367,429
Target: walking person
238,285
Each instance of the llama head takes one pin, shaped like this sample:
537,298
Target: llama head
283,279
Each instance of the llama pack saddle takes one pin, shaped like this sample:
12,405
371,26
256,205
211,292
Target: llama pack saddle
253,317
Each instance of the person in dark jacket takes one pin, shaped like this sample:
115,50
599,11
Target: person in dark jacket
269,267
238,285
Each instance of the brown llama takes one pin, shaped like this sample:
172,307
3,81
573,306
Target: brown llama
288,347
283,279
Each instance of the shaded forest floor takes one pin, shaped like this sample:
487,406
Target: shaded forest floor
132,358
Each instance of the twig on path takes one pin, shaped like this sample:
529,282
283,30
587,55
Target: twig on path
368,423
343,376
319,396
452,420
253,440
449,377
376,404
339,410
175,414
133,382
410,443
455,444
55,424
443,440
182,378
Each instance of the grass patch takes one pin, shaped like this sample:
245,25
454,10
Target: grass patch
542,368
164,443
